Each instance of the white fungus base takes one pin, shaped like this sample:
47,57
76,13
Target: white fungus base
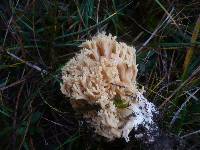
143,112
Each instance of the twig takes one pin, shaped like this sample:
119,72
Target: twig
168,14
155,32
12,84
27,63
189,134
182,106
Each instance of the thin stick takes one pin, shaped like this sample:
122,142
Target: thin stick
182,106
155,32
196,132
12,84
27,63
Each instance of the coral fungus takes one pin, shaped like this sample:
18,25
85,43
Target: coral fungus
101,82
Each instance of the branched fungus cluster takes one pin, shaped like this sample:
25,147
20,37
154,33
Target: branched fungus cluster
101,84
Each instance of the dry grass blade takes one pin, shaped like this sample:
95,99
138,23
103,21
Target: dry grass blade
190,51
26,130
168,14
196,72
166,21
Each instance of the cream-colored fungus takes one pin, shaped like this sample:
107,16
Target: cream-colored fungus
101,82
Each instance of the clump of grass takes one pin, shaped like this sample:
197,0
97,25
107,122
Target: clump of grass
45,34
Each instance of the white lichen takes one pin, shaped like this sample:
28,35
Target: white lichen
101,82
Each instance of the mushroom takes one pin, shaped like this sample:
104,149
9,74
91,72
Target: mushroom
104,74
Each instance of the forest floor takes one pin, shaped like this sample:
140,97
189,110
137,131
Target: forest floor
39,36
